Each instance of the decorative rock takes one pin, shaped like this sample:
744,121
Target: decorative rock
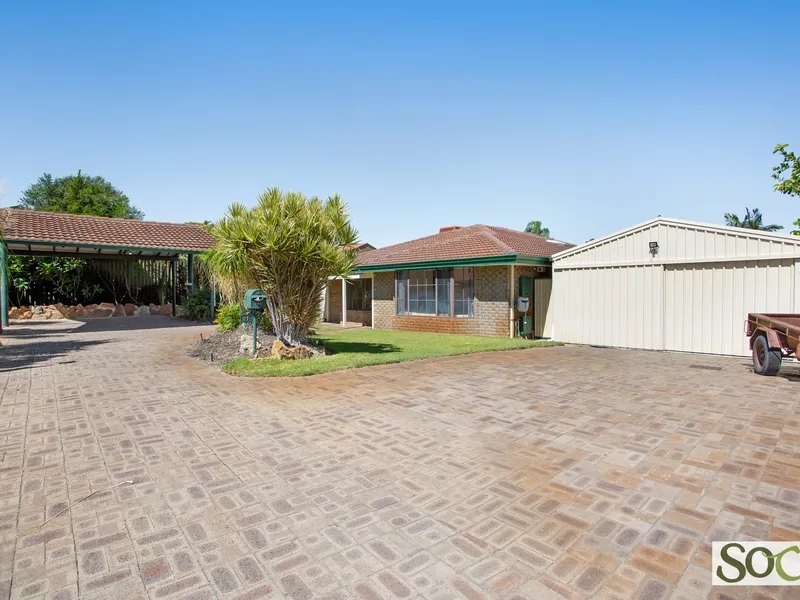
246,346
15,313
118,310
155,309
300,352
280,350
143,311
37,310
130,309
38,316
100,311
166,309
27,314
110,305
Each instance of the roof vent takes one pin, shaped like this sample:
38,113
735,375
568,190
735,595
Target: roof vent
449,228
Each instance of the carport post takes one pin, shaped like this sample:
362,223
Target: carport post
3,287
213,301
190,268
174,285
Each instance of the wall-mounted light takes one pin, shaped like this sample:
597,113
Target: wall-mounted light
653,248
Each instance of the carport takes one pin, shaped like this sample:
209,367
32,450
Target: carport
34,233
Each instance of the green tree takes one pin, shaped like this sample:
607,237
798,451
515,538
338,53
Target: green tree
787,174
752,220
286,245
79,195
536,227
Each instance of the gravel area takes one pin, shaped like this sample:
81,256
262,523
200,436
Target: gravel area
221,347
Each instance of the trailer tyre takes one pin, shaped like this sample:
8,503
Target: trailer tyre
766,361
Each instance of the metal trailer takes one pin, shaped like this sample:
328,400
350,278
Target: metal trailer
772,338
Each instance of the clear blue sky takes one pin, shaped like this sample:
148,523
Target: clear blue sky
588,116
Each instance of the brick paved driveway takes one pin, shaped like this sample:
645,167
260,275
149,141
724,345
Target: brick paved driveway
575,472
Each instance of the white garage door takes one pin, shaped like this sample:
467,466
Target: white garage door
705,305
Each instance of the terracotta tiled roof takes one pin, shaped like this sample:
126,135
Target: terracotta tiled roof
475,241
57,228
359,247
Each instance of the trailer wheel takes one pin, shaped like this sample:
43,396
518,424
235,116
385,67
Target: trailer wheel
766,361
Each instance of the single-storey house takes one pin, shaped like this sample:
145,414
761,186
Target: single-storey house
460,280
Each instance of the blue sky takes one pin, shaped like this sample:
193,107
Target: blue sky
588,116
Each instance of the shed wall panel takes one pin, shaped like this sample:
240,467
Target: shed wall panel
706,305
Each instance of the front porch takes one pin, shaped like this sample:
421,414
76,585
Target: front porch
348,302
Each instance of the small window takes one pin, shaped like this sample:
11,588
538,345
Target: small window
463,291
401,283
359,294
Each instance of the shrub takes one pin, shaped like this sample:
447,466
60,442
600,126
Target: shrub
229,318
195,306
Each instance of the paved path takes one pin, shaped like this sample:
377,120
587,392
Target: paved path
574,472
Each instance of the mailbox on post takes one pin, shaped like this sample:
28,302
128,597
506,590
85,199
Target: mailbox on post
255,302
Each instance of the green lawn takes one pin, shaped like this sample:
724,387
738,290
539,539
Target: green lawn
355,348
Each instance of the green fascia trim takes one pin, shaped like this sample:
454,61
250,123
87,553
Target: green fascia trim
481,261
103,246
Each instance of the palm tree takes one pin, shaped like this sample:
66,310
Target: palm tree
536,227
754,220
287,245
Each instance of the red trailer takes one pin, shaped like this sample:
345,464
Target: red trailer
772,338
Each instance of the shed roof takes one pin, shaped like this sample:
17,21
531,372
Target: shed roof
476,244
26,229
696,225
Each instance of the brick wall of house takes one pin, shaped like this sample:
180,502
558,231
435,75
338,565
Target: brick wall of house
490,307
383,299
335,301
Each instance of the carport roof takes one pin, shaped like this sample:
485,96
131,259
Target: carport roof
31,231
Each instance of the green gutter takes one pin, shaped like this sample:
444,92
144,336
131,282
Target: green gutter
481,261
103,246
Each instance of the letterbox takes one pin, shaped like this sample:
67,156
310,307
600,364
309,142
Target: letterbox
255,300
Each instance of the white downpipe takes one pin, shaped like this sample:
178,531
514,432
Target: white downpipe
344,301
511,304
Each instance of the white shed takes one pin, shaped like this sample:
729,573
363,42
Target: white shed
669,284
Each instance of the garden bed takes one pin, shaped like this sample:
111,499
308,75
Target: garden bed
222,347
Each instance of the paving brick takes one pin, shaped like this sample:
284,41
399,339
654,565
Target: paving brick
508,475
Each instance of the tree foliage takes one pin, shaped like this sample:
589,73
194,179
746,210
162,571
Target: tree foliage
752,220
78,195
536,227
286,245
787,173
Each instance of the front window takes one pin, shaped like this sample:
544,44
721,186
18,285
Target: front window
435,292
359,294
